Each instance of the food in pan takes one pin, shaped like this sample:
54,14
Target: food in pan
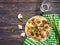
38,28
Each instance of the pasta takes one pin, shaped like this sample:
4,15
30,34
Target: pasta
38,28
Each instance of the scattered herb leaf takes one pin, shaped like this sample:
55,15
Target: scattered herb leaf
12,30
21,20
35,29
26,15
46,27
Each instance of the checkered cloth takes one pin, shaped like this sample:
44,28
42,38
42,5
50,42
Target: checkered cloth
51,40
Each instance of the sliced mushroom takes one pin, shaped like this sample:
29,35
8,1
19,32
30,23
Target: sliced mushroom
32,19
37,34
44,29
28,28
29,33
40,29
45,22
48,32
34,37
39,38
38,22
41,25
32,33
43,34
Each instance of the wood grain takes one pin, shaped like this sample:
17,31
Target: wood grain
9,10
27,1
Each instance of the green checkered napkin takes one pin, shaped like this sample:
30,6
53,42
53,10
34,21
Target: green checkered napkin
51,40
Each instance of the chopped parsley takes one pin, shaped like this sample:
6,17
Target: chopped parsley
21,20
46,27
26,15
12,30
35,29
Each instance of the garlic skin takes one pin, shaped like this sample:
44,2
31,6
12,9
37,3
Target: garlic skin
20,16
20,26
22,34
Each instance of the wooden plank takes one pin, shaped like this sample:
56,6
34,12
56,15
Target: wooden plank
27,0
16,6
8,42
28,7
18,0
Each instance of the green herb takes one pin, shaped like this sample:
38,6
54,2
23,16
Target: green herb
35,29
54,25
21,20
12,30
46,27
26,15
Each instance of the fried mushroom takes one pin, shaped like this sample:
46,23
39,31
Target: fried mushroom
45,22
39,38
43,34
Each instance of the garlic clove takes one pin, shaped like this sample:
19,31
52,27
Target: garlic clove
20,26
20,16
22,34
